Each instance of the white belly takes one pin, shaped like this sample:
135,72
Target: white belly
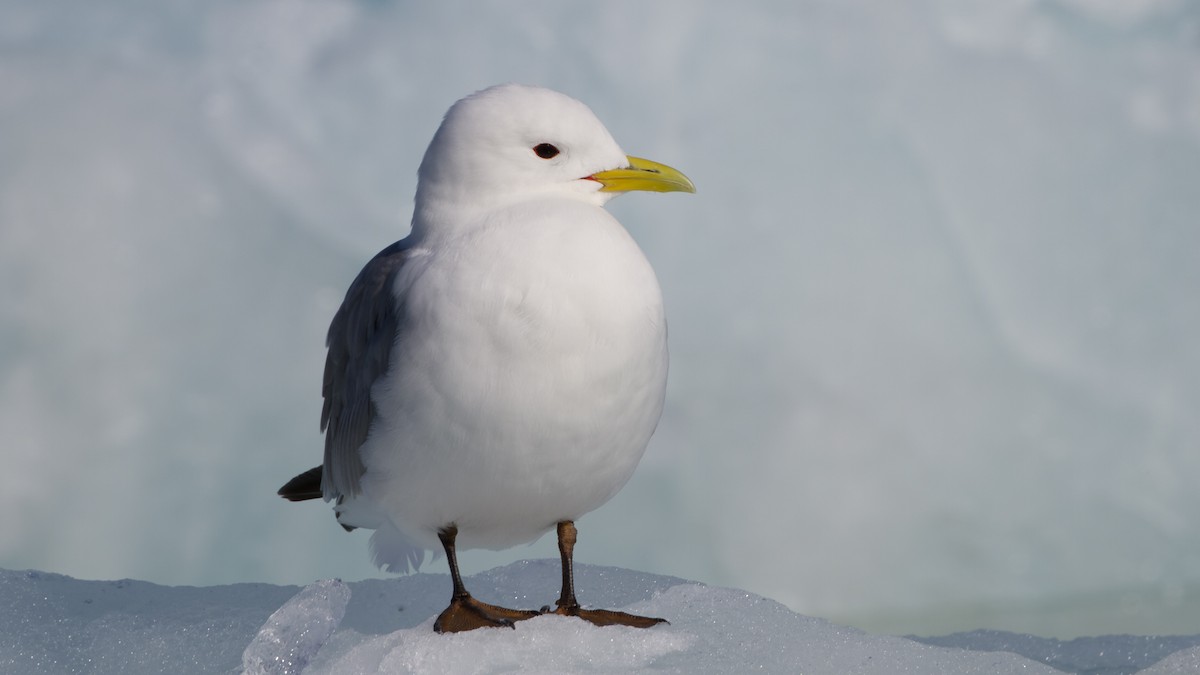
526,380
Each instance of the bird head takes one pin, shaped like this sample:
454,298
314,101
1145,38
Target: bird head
511,142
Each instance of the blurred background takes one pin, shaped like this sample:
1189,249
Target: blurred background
935,310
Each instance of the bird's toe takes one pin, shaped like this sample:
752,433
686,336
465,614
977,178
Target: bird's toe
467,613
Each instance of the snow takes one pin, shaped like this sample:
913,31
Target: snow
63,625
933,315
1183,662
1108,654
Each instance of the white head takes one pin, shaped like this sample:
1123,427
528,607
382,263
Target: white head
512,142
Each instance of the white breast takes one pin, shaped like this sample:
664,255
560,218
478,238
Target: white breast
527,378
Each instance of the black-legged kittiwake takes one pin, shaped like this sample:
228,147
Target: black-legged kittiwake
499,372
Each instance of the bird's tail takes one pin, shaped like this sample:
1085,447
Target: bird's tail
303,487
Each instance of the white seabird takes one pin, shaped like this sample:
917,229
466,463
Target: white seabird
498,372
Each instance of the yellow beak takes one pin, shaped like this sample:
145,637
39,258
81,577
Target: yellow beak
643,174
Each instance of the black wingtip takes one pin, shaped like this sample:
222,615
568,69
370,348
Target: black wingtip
303,487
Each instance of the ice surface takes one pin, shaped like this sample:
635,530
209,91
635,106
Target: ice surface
52,625
712,630
933,314
295,633
62,625
1183,662
1107,655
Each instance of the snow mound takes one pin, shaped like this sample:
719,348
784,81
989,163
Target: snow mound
64,625
712,630
550,643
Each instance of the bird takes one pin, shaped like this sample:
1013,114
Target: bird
499,372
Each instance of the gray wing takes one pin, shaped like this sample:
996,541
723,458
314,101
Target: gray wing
360,342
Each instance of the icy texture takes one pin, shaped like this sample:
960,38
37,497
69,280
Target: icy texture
543,645
712,630
1184,662
1108,655
61,625
296,631
52,625
933,309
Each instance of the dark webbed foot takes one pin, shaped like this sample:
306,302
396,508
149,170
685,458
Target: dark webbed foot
606,617
467,613
567,605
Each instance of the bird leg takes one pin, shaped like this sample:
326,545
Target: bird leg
569,606
465,612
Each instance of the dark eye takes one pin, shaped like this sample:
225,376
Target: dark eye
545,150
